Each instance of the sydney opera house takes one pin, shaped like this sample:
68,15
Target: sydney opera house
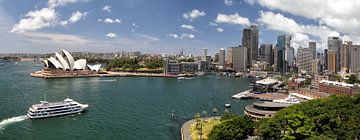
65,61
62,64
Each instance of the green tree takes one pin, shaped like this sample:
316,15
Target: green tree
335,117
352,79
215,110
233,129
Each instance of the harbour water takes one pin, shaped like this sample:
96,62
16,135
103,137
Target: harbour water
136,108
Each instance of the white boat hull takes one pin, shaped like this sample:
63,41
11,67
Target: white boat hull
83,108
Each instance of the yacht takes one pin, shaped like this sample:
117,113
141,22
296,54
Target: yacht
47,109
289,100
181,78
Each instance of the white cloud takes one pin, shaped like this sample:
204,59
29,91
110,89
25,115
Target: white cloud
34,20
300,32
46,17
212,23
109,20
107,8
135,25
191,15
148,38
56,3
77,16
220,29
56,37
341,15
232,19
251,2
229,2
190,27
111,35
182,36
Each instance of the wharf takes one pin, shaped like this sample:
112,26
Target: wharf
241,95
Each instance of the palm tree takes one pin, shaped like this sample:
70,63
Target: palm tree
204,114
215,110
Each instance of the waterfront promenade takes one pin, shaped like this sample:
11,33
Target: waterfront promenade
185,128
41,74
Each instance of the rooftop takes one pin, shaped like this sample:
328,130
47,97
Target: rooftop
267,81
336,83
271,104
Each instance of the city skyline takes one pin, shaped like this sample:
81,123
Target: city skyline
167,27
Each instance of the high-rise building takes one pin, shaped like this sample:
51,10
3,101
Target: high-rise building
345,55
254,42
239,55
216,58
334,44
290,58
283,43
205,52
222,58
181,52
205,63
305,59
312,46
266,53
228,57
315,66
275,58
325,60
354,58
331,61
250,40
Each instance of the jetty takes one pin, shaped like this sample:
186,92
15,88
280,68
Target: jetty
242,95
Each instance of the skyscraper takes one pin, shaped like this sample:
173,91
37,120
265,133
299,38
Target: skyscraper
283,43
229,55
266,53
354,58
312,46
305,59
345,54
205,52
239,58
332,61
334,44
250,40
325,60
290,58
254,42
222,57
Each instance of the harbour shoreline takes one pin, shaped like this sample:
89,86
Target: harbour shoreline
41,74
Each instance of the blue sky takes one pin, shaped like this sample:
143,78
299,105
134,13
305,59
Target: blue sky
166,26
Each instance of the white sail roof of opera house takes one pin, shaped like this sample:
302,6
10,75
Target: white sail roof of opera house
95,67
65,61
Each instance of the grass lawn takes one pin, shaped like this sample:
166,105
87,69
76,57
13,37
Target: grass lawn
207,127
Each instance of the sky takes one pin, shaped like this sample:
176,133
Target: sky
166,26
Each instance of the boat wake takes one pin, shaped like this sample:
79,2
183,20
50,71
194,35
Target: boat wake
12,120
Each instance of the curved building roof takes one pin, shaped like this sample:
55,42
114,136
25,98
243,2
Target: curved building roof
56,63
63,62
271,104
69,58
80,64
94,67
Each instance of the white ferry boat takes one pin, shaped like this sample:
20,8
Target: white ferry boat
47,109
289,100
